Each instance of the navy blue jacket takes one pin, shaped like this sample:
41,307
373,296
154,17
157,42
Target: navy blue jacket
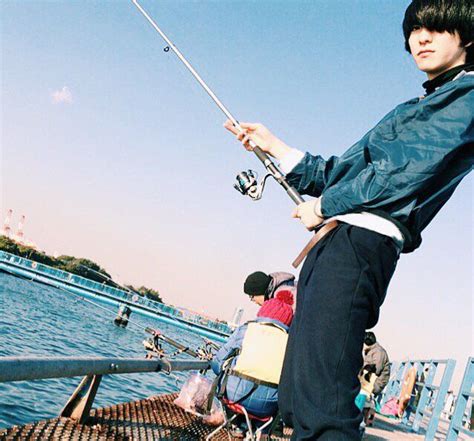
405,168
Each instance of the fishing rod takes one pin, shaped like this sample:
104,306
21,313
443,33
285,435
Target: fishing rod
97,305
207,343
201,353
204,352
124,288
182,348
247,183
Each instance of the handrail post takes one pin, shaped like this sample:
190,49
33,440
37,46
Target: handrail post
465,392
440,397
433,396
80,402
424,396
393,387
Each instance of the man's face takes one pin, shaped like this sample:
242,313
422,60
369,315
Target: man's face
436,52
259,300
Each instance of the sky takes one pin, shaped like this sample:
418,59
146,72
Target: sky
113,152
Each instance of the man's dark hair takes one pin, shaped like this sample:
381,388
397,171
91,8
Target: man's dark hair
440,16
369,338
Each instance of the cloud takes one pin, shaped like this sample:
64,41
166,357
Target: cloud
62,96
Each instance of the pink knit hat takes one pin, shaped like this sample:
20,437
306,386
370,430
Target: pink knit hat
279,308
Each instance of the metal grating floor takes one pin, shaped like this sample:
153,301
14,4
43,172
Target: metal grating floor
156,418
145,420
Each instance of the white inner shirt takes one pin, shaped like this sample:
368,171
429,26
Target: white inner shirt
365,220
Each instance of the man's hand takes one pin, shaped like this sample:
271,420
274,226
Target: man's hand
261,136
309,213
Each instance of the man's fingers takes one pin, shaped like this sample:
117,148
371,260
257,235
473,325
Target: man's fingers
249,126
245,139
229,125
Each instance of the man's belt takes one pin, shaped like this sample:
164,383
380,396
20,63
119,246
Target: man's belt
325,229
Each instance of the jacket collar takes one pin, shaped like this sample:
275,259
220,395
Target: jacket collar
431,85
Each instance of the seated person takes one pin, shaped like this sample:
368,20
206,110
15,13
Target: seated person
260,286
258,398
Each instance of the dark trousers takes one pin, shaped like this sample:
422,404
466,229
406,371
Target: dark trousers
340,290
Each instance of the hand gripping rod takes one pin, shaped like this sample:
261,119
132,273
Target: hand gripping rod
264,158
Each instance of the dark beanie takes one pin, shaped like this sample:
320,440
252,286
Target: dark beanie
369,338
256,284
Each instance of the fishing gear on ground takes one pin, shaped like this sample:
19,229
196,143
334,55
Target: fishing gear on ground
247,183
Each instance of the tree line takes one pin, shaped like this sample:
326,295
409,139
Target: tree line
75,265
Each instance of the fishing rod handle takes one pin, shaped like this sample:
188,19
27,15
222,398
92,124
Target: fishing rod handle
277,174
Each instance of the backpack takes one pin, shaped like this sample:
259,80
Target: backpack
261,357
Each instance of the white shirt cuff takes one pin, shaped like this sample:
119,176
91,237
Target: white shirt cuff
289,160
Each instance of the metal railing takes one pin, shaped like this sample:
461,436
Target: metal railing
69,279
92,368
430,396
465,394
35,368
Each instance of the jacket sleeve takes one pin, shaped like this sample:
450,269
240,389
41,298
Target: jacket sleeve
234,342
310,175
405,152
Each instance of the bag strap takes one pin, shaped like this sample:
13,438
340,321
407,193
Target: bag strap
275,325
257,381
218,388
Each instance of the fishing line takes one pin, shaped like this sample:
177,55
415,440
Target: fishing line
96,304
124,288
148,329
170,374
82,298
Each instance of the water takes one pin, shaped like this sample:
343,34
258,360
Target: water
40,320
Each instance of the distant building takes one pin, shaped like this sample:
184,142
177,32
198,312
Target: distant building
237,317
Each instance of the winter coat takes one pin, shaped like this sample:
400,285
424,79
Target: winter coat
405,168
280,280
263,401
378,356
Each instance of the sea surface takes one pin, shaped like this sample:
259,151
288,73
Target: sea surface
38,320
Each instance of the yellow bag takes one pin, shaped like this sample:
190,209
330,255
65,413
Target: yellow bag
262,353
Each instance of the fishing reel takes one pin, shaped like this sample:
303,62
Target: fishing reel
207,349
247,184
154,348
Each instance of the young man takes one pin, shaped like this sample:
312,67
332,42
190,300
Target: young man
383,191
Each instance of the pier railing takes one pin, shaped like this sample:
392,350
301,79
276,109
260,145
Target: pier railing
465,395
26,267
35,368
431,387
92,368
